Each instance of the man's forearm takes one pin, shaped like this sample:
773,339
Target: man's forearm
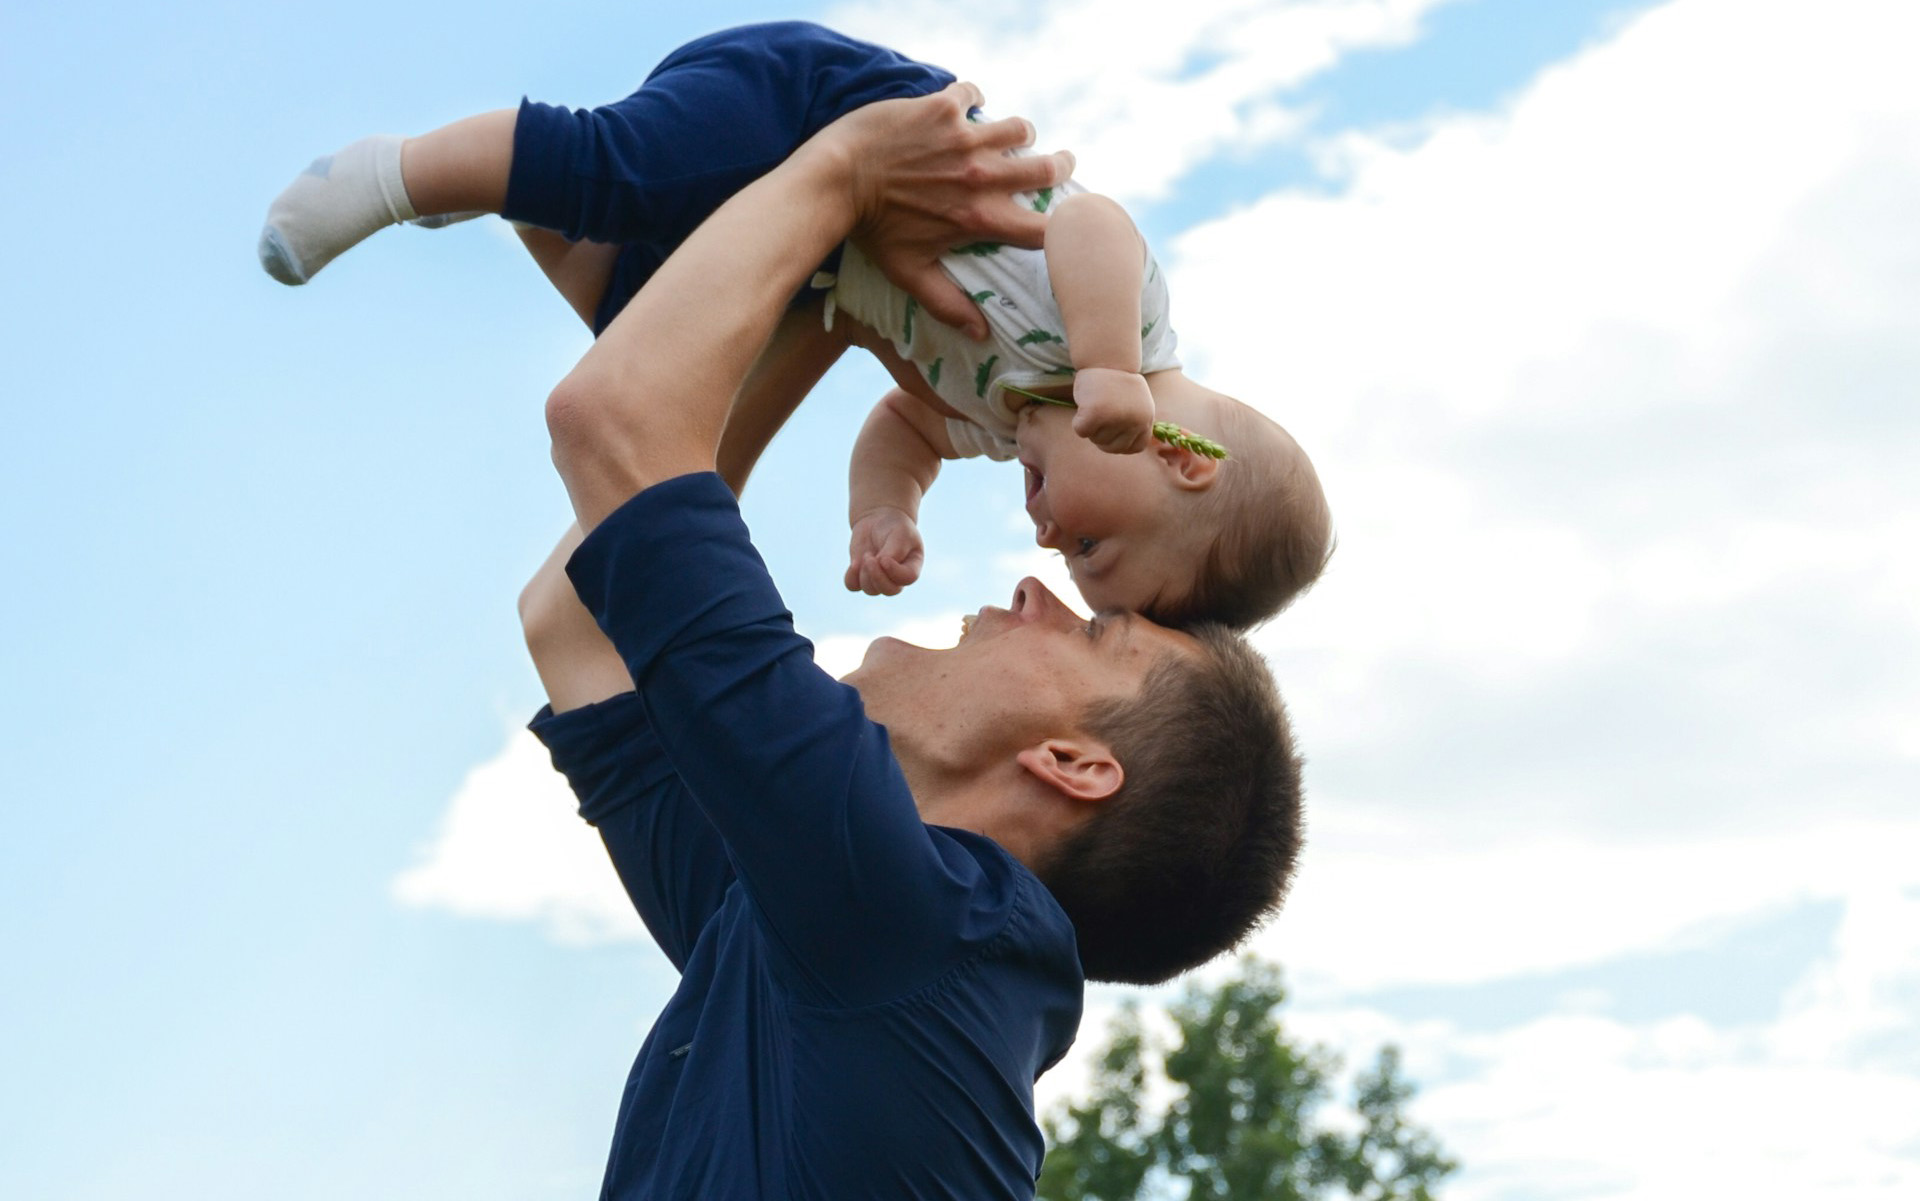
649,400
576,663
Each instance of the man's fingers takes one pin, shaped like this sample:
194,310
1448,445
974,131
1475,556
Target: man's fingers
1008,133
1031,172
1008,221
945,300
967,94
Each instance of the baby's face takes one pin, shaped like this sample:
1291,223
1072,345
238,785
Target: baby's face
1116,518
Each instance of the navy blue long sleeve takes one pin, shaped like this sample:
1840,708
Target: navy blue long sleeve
868,1000
668,855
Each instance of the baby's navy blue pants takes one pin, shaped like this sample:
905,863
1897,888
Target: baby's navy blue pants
714,116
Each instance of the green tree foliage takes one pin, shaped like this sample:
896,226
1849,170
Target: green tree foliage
1241,1118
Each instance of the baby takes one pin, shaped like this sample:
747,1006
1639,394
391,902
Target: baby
1147,523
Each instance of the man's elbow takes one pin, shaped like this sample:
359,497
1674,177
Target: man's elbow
579,411
533,606
546,606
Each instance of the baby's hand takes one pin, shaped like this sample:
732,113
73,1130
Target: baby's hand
886,552
1115,409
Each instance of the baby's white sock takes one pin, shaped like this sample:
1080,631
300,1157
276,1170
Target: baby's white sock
442,220
332,205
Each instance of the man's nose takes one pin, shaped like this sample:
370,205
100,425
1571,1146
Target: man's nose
1034,601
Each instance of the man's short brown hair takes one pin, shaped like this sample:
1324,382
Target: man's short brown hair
1198,845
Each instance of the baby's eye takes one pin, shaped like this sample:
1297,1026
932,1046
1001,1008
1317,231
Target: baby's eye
1086,546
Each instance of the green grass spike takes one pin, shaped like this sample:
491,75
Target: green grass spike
1166,431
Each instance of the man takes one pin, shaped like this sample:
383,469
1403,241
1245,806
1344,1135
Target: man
873,974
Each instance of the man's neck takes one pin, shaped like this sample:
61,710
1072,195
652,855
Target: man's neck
1009,807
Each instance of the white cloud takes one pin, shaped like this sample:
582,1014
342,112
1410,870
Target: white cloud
1108,77
1382,902
1810,1104
511,847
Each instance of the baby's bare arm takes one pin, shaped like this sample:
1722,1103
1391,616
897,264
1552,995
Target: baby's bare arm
895,460
1094,261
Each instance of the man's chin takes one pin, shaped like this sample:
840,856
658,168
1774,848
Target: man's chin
882,655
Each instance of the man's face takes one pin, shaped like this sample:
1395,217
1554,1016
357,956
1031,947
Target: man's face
1018,675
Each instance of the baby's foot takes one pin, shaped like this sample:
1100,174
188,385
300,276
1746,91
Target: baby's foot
332,205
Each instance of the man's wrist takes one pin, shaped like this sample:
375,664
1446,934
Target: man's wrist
828,166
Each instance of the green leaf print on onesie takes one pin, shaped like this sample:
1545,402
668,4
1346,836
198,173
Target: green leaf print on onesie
978,250
985,373
1033,336
906,330
1042,199
933,372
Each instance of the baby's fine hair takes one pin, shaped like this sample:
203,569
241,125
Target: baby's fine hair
1272,530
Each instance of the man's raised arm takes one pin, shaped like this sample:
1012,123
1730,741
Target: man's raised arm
909,177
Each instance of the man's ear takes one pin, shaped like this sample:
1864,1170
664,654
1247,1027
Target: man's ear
1078,769
1190,469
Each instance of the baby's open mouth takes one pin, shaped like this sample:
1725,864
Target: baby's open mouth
1035,481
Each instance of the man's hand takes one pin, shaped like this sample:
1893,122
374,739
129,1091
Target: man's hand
886,553
926,179
1115,409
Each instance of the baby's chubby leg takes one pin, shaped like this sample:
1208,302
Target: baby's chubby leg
455,172
579,271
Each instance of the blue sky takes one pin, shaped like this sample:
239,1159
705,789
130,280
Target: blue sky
1615,459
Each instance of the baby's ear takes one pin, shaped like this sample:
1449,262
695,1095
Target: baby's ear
1188,469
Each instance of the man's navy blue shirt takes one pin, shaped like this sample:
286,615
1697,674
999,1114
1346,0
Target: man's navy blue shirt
865,1000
